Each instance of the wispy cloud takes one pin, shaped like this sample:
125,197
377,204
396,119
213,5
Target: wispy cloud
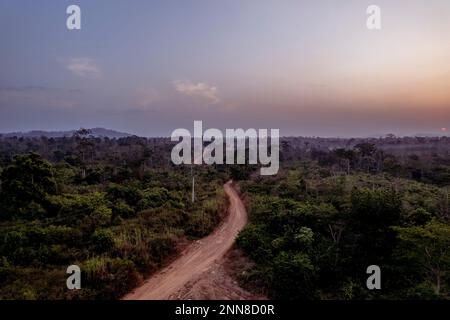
200,89
83,67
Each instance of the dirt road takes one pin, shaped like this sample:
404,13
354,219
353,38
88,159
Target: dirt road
199,263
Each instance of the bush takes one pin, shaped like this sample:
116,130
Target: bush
293,277
122,209
103,240
256,243
109,278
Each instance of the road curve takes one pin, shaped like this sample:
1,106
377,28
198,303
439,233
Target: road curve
198,257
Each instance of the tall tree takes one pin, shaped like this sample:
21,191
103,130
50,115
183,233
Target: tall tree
28,179
428,249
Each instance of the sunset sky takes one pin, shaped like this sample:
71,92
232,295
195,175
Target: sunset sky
149,67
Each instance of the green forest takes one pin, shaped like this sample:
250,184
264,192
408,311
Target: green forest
318,225
120,210
113,207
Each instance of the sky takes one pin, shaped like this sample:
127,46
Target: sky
309,68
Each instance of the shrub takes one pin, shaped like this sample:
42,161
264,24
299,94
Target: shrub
103,240
109,277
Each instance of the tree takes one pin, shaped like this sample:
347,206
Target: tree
29,179
366,149
347,156
83,132
372,214
293,277
428,249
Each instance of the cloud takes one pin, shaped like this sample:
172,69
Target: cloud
83,67
200,89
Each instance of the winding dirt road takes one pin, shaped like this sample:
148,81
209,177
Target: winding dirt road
199,261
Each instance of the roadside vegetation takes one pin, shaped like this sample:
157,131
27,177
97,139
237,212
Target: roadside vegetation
327,216
120,210
108,206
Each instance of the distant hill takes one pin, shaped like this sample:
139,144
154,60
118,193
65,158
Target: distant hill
95,132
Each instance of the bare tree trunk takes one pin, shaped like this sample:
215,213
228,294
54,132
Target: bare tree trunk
446,203
437,290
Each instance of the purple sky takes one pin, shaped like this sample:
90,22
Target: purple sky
149,67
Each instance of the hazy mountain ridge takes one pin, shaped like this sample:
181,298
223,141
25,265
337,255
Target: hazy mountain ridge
94,132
